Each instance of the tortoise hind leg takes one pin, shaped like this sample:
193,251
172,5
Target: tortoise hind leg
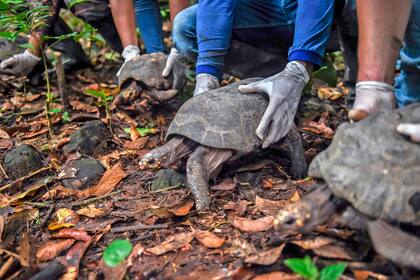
204,163
178,147
395,244
294,147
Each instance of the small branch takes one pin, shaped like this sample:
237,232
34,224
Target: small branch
17,181
139,227
61,79
91,200
47,216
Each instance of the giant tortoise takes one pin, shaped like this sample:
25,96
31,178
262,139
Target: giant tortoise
372,171
214,127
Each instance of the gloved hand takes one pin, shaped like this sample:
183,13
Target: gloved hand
129,52
410,129
205,82
372,97
175,66
284,90
20,64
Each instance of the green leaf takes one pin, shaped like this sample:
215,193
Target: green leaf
326,73
54,111
27,46
96,93
332,272
116,252
66,117
303,267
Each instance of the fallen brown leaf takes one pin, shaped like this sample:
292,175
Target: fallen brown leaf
249,225
365,275
91,211
33,134
334,251
173,243
51,249
319,129
226,185
71,233
113,273
108,182
78,105
277,275
6,143
4,134
62,218
295,197
240,206
315,243
208,239
137,144
329,93
183,209
269,207
73,258
25,250
268,257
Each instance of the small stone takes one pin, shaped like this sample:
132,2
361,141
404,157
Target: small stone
85,140
168,178
83,173
22,160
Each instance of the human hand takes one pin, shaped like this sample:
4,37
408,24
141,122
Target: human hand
20,64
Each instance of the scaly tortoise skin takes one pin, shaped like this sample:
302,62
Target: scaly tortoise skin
214,127
373,169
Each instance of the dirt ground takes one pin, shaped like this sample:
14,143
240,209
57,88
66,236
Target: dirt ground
48,227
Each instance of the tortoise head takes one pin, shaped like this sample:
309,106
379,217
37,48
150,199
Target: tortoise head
294,218
153,160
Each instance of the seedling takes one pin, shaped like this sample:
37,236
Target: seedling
308,270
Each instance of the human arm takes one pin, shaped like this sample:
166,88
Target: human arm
175,6
380,38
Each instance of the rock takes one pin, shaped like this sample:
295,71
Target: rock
86,171
22,160
168,178
87,138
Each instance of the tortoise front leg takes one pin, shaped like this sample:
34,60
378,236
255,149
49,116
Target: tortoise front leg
203,163
395,244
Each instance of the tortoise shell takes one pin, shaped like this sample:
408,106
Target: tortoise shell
375,168
147,69
223,118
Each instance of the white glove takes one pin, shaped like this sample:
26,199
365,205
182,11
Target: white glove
371,97
129,52
410,129
20,64
284,90
175,66
205,82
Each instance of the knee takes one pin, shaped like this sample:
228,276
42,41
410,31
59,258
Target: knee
184,31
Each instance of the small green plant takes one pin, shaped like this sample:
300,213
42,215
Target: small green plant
308,270
104,100
116,252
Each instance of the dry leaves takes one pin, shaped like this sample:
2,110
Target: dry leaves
225,185
108,182
269,207
51,249
329,93
277,275
91,211
208,239
62,218
365,275
183,209
268,257
319,128
137,144
78,105
173,243
25,249
71,233
249,225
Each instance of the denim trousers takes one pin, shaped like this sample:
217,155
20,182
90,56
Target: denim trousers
407,84
149,21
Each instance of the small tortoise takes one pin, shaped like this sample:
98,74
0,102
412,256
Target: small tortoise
374,172
214,127
145,73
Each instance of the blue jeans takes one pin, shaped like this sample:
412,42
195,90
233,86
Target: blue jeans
149,22
262,24
407,84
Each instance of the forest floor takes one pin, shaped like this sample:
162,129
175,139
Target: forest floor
60,213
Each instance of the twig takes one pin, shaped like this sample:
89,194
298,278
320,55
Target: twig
3,171
16,256
61,79
47,216
94,199
34,173
38,204
139,227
